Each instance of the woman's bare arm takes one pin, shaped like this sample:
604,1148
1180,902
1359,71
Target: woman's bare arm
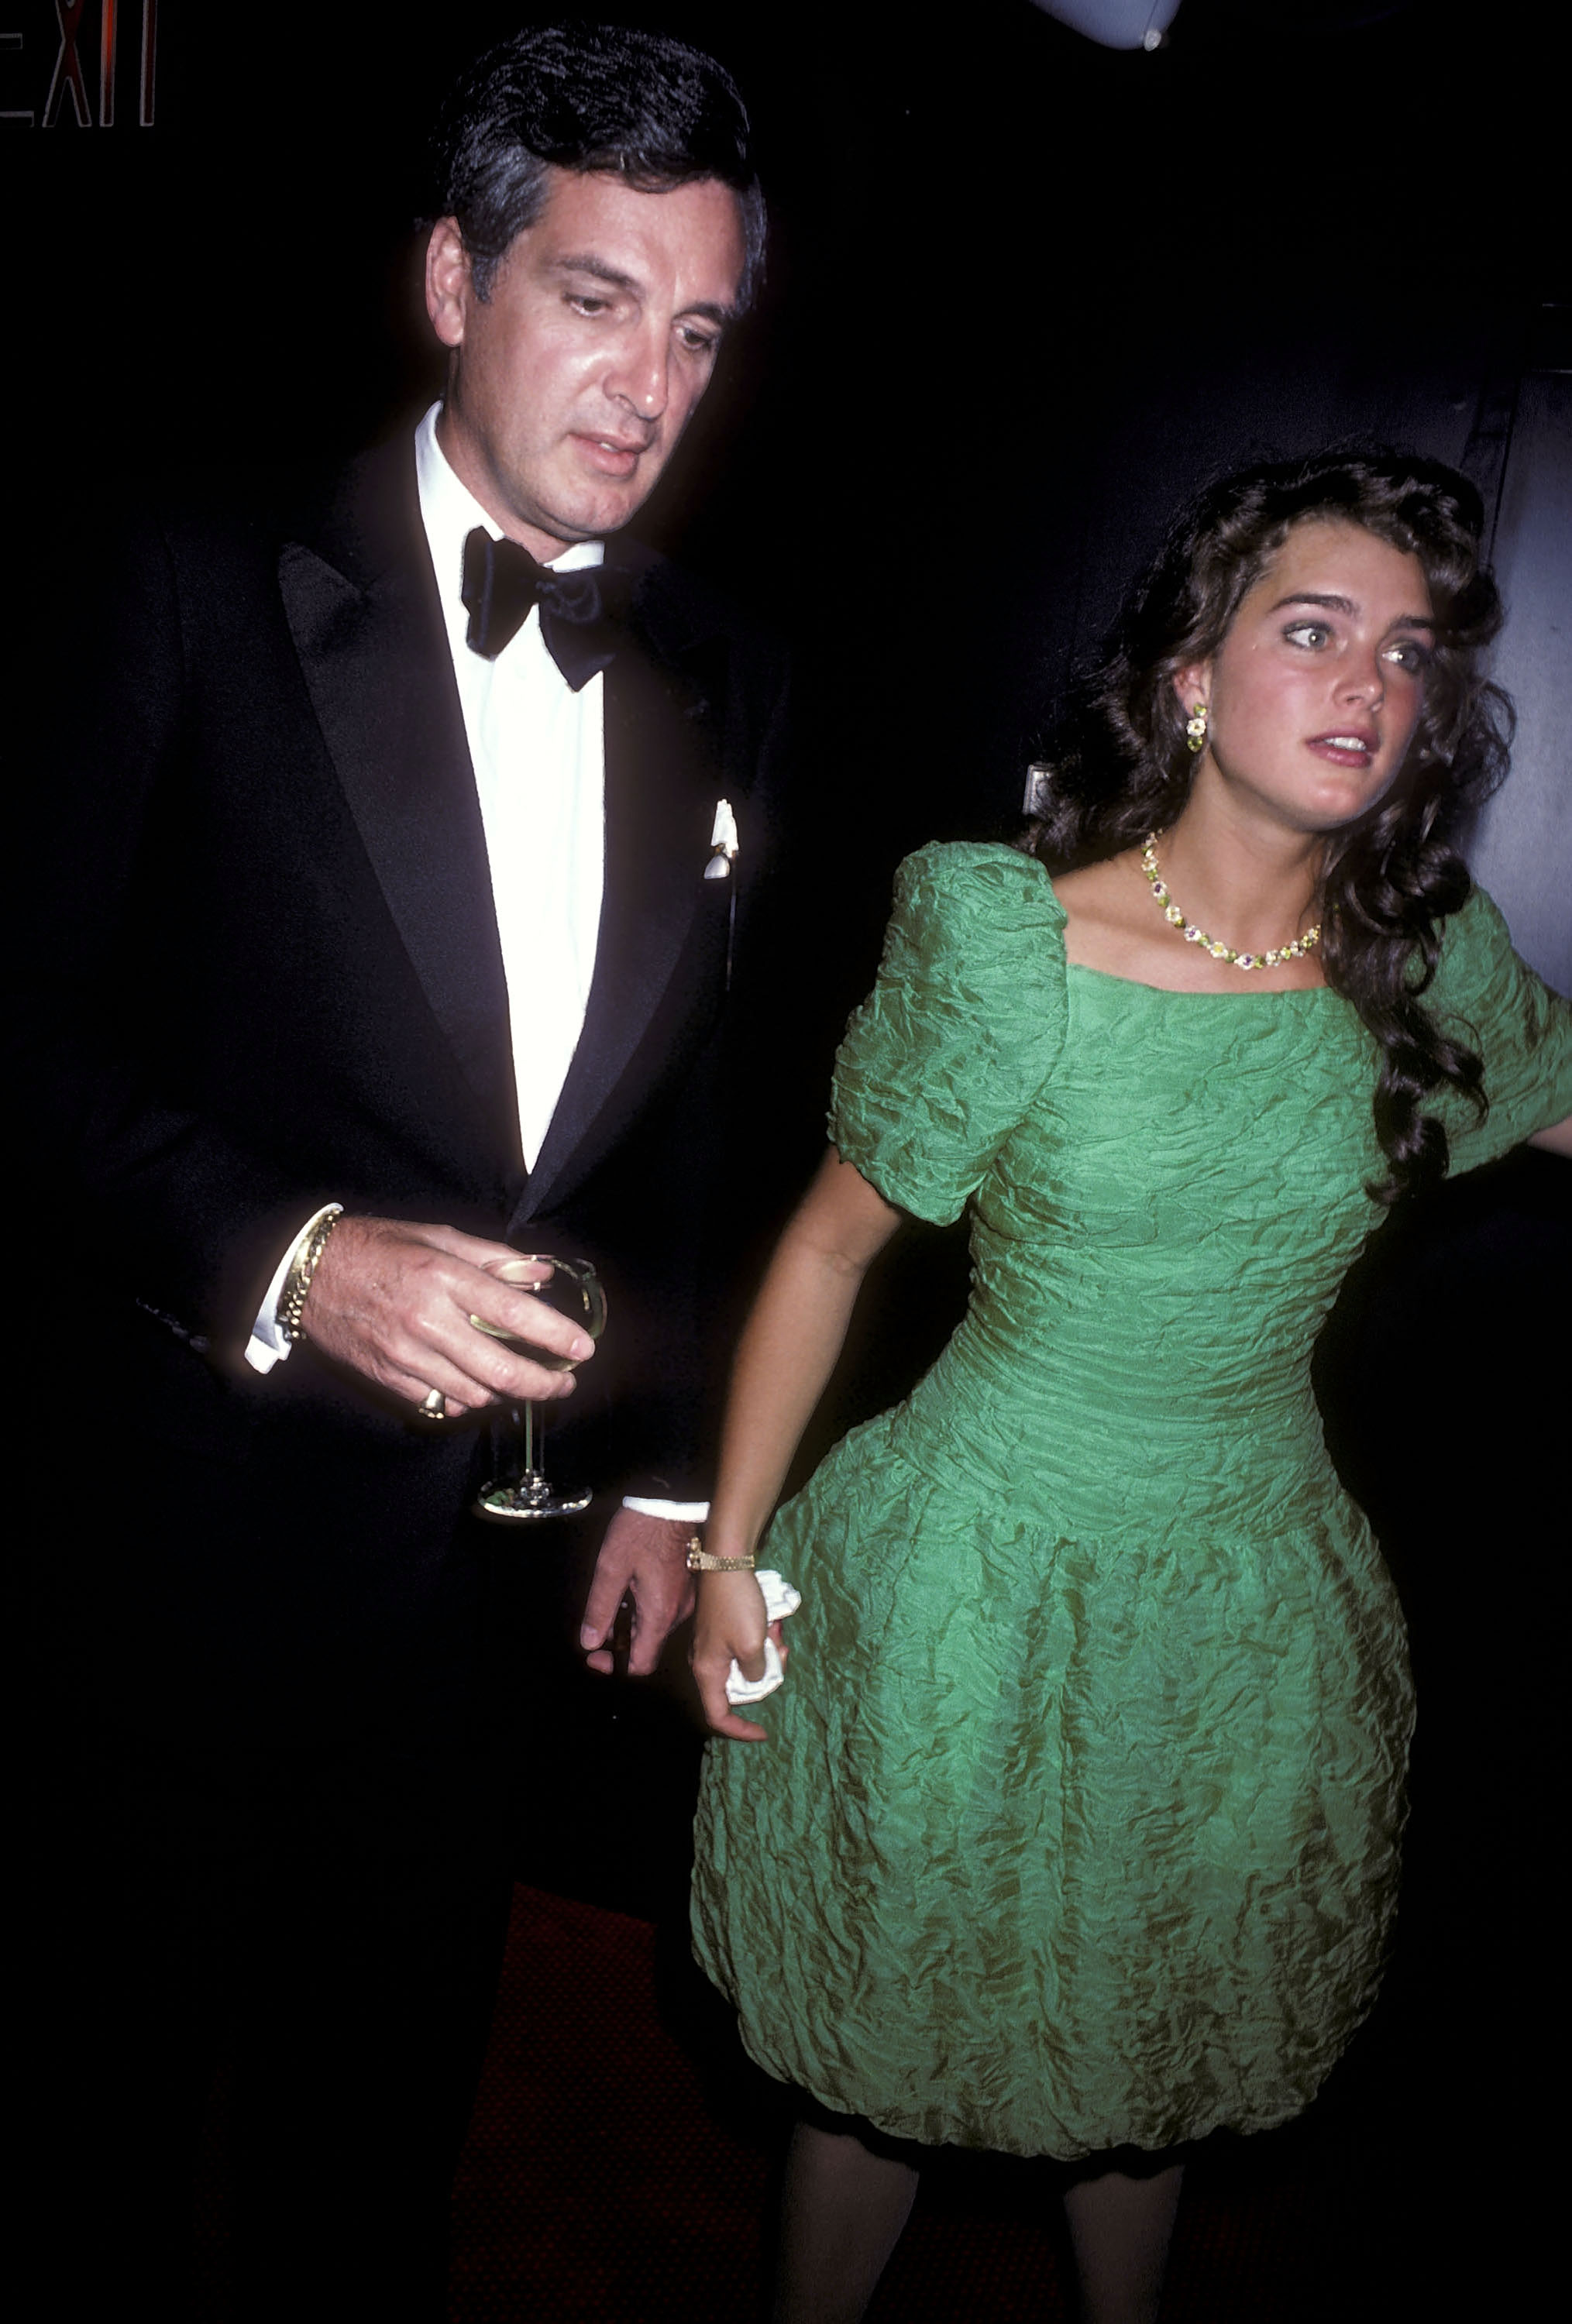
786,1353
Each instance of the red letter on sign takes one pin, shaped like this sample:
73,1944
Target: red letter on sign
107,67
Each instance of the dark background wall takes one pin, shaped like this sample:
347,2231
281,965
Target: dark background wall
1023,293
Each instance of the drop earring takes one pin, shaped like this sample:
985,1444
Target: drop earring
1196,728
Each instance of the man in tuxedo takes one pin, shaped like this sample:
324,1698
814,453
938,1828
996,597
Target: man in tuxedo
411,836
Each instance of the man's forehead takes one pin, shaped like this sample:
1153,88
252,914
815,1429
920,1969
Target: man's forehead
598,211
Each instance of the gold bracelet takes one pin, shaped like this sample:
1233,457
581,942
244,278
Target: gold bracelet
298,1281
699,1560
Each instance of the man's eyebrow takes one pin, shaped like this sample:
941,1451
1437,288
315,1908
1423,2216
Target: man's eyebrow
1336,605
587,263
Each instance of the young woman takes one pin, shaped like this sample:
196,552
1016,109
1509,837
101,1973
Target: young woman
1077,1830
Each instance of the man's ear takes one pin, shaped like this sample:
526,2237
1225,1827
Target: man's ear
450,284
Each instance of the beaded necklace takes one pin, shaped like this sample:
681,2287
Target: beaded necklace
1296,950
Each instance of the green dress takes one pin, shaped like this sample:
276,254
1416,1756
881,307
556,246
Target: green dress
1078,1820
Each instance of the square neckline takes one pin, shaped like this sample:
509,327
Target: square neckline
1174,991
1184,992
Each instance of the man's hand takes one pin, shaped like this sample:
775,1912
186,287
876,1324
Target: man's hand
394,1302
649,1556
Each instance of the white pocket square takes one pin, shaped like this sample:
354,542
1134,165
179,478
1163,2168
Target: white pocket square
723,843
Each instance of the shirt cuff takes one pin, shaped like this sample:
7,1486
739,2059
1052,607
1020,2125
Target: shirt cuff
267,1345
681,1512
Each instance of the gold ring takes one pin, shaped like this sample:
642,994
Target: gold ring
434,1407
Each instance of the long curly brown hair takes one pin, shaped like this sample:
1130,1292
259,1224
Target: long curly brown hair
1115,764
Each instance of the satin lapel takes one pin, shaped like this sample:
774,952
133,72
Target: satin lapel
362,605
661,784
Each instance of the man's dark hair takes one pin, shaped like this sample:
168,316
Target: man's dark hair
650,110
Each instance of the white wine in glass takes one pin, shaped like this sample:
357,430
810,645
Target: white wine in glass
574,1289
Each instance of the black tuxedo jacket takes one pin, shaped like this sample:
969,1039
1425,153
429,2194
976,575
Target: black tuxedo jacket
261,972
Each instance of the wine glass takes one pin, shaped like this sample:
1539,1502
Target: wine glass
574,1288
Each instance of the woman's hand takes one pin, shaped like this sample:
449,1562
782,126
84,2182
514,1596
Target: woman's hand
730,1627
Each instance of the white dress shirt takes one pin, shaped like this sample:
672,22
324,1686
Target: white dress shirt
539,754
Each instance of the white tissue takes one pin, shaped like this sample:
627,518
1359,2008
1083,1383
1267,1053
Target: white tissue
779,1599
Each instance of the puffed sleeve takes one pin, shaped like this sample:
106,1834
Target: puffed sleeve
1485,996
961,1031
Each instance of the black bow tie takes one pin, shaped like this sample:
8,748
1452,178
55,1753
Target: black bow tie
580,613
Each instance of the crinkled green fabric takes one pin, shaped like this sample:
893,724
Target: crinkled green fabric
1078,1820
